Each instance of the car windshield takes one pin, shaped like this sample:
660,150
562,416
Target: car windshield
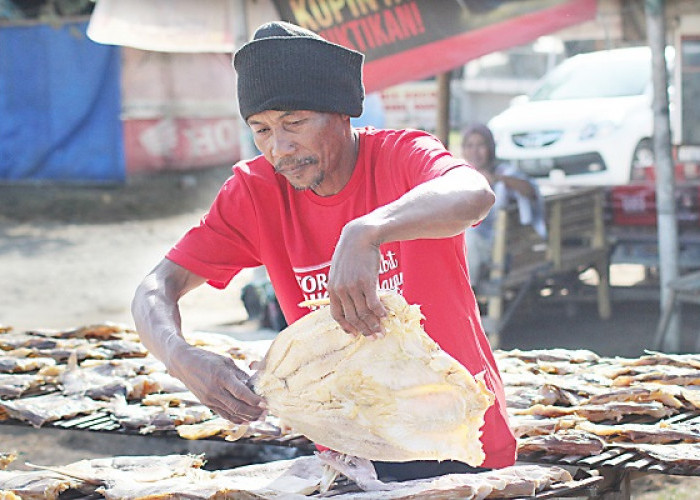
587,78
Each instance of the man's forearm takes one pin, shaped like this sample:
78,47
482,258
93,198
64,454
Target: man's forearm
156,313
157,322
439,208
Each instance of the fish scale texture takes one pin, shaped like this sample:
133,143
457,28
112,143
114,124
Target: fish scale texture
397,398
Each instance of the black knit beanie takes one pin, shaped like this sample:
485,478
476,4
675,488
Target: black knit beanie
289,68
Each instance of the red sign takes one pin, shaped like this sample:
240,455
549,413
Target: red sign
180,143
406,40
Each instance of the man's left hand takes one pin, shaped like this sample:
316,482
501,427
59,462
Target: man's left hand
353,283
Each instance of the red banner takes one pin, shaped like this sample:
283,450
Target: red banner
406,40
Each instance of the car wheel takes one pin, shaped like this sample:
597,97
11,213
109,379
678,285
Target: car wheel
642,158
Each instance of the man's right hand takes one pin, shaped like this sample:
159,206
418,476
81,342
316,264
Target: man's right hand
214,379
218,383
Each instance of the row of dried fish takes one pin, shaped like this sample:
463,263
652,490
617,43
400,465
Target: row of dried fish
181,476
576,403
133,392
33,350
583,400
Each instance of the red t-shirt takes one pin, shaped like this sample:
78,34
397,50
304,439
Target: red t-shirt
258,218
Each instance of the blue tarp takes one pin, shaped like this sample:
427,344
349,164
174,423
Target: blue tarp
59,106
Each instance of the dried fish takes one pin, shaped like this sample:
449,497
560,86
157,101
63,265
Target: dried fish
38,410
613,411
569,442
685,454
36,484
553,355
150,419
15,385
642,433
643,393
124,348
14,364
396,398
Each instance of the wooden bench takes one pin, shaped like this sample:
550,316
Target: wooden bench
521,258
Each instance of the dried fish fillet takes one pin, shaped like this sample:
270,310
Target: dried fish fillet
684,454
149,419
598,413
643,433
14,385
131,468
14,364
36,484
571,442
553,355
41,409
396,398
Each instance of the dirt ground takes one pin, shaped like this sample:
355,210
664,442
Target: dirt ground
73,255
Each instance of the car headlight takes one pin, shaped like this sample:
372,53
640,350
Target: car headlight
596,129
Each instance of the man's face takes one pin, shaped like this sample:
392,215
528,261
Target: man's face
303,146
476,151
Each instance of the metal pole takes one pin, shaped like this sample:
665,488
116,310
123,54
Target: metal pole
665,176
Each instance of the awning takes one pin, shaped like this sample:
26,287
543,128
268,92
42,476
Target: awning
402,40
412,40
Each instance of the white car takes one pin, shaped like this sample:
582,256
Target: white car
589,121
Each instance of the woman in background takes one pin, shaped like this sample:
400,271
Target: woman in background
509,184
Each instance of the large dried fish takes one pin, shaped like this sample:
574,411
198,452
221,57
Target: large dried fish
396,398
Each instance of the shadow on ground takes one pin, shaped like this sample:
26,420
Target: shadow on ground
145,196
629,332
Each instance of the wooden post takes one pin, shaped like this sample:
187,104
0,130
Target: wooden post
497,272
442,130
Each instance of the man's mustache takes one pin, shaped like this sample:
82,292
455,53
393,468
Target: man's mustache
295,162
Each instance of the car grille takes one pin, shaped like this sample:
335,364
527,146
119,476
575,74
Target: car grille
587,163
536,139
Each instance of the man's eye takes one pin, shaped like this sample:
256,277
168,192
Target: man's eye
261,131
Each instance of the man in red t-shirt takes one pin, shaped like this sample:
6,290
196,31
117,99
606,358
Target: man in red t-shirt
330,211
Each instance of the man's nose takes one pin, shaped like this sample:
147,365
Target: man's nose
282,145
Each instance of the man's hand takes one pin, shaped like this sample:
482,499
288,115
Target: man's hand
214,379
218,383
353,282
